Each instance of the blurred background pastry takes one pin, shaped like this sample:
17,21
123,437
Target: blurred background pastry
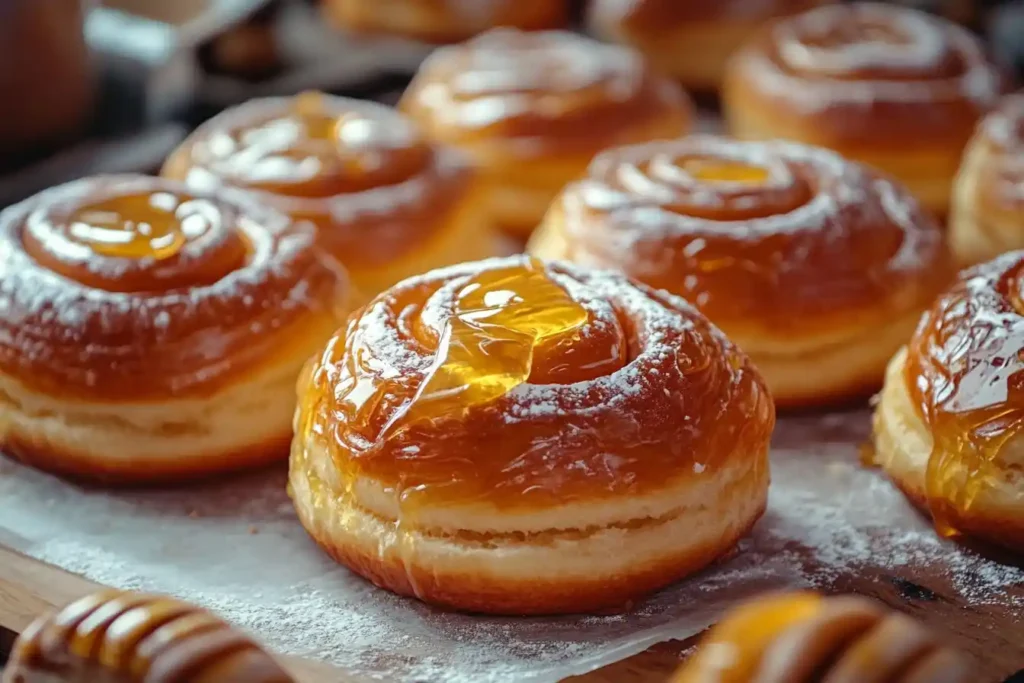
816,266
949,428
898,89
154,333
689,41
532,109
808,638
444,21
386,203
987,216
125,637
416,460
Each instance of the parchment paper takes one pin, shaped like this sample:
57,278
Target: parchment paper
237,548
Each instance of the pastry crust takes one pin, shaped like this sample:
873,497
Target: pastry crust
131,369
987,217
817,267
891,87
948,425
690,41
532,109
444,21
386,204
464,511
804,638
122,637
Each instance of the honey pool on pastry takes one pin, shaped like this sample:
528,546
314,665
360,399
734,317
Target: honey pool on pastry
484,436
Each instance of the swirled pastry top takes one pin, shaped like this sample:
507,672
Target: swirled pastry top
669,14
965,374
357,169
138,638
131,287
1000,184
873,72
526,384
539,91
807,638
773,235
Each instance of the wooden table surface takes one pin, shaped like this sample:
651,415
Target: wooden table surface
994,635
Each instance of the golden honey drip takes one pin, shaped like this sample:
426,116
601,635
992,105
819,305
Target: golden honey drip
152,225
711,170
501,316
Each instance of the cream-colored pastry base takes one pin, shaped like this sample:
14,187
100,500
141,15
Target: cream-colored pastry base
578,557
903,448
245,424
980,231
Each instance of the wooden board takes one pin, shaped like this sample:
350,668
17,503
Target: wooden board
994,635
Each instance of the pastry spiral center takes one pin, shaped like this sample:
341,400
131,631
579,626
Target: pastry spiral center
487,346
719,171
153,225
312,150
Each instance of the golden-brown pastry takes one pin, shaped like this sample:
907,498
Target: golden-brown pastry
987,216
815,266
690,41
444,21
949,429
122,637
532,109
807,638
387,204
516,437
151,332
898,89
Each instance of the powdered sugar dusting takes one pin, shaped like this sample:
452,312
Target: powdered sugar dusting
828,519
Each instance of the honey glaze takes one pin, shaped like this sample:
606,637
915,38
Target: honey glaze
964,373
755,234
525,384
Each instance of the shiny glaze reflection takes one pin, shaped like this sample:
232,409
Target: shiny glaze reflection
964,373
613,403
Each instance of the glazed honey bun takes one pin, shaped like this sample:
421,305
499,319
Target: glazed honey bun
115,637
387,204
517,437
152,332
444,21
898,89
948,428
987,218
807,638
817,267
532,109
691,41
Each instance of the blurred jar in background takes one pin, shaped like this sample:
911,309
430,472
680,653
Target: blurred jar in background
46,79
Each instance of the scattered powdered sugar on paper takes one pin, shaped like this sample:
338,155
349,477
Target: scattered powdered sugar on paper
237,548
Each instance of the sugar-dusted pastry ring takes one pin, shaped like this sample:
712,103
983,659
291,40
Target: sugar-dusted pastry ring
690,41
444,21
806,638
949,425
173,363
817,267
387,204
633,455
532,109
892,87
125,637
987,216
